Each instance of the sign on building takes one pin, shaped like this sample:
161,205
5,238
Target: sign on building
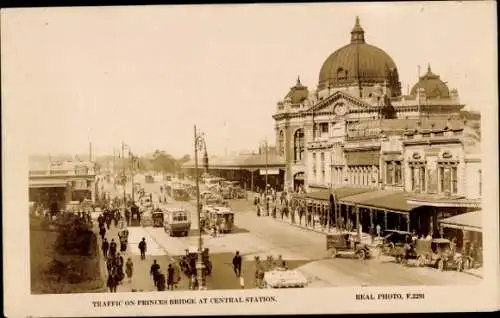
269,172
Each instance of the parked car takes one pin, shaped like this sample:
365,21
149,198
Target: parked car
346,243
438,253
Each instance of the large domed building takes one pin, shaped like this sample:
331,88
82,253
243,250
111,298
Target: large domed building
357,129
365,152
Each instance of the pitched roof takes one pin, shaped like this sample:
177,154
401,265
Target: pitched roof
252,160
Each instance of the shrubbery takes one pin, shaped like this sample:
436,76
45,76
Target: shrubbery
72,264
75,236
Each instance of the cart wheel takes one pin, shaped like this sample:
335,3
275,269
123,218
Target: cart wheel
440,265
332,252
460,265
420,261
361,255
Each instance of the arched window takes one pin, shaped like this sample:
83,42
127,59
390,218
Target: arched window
298,141
341,74
281,143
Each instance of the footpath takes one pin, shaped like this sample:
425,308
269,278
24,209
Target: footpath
141,280
365,238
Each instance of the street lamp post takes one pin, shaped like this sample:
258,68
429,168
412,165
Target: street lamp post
199,143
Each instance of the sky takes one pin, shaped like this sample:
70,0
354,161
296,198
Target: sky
146,74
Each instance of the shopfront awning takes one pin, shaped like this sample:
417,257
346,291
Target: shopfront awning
37,184
444,201
394,201
362,197
470,221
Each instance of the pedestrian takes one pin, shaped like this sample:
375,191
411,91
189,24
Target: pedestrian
112,248
109,265
237,264
108,221
105,247
378,229
102,231
160,281
170,277
129,269
112,283
142,248
154,271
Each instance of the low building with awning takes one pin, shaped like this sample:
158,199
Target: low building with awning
54,184
250,169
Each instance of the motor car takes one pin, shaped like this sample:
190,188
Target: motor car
438,253
346,244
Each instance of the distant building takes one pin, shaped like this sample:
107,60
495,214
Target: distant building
56,183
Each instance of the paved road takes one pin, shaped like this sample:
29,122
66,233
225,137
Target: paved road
303,249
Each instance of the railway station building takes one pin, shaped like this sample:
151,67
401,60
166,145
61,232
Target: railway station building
367,152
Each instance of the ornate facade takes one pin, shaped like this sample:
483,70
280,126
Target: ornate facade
358,129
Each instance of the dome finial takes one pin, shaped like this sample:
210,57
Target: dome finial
357,33
429,68
298,80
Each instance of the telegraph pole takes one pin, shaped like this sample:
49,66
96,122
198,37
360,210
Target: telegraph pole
132,166
124,176
90,151
418,91
266,164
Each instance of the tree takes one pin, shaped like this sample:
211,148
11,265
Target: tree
163,162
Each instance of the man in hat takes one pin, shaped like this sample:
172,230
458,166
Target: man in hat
155,269
142,248
105,247
112,248
170,277
237,264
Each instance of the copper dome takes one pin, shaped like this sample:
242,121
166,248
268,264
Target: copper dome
297,93
359,63
433,86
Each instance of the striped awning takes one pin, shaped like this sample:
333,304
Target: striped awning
470,221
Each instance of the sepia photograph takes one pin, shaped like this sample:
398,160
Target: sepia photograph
250,159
